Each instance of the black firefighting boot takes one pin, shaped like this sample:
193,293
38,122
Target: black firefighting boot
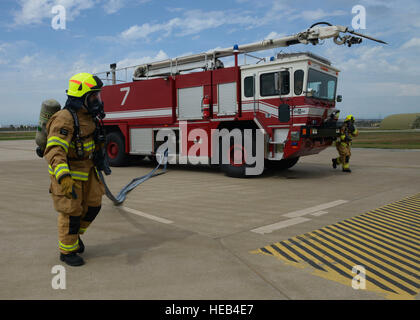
334,163
81,246
346,170
72,259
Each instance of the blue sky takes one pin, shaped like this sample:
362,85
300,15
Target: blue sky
36,60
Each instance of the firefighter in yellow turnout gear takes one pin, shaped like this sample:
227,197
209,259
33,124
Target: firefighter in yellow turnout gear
343,144
75,186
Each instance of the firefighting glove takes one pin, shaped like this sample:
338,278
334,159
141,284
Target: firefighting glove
67,187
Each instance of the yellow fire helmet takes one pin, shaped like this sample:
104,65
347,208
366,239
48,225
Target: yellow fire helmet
349,118
83,83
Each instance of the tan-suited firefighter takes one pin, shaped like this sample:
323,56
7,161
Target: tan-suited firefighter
343,144
74,153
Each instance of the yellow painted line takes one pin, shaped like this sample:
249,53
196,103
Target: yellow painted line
385,234
406,258
403,213
390,217
385,241
382,276
410,203
391,220
386,227
396,216
376,260
347,261
287,251
403,206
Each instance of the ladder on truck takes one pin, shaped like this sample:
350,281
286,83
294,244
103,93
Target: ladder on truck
210,60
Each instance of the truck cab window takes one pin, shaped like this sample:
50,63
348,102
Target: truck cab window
298,82
249,87
268,85
322,84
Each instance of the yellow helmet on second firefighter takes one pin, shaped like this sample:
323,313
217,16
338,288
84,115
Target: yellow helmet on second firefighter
350,124
350,117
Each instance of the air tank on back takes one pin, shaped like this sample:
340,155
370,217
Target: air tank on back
48,108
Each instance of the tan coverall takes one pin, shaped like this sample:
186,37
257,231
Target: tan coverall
344,147
74,215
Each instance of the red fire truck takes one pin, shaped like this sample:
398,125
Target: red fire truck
290,98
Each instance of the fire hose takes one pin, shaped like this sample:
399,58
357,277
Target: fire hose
120,198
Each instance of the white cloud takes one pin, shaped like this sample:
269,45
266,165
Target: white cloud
365,60
112,6
3,53
128,62
26,60
313,15
137,32
174,9
274,35
13,53
408,90
192,22
412,43
383,89
35,11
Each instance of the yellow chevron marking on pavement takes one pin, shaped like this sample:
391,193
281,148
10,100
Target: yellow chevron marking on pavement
385,241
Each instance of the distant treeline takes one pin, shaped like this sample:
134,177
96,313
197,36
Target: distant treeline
368,123
19,128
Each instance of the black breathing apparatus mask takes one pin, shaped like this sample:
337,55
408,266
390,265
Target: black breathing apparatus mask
94,105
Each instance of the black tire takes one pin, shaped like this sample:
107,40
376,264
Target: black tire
283,164
115,149
234,171
237,170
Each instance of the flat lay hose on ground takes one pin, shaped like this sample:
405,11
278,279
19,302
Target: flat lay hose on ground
120,198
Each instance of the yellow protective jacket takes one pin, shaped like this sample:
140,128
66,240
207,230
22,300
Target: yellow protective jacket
60,151
345,133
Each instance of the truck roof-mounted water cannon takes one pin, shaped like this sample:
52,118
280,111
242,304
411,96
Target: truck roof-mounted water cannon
210,60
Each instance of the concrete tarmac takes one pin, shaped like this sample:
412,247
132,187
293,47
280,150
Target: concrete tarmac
188,234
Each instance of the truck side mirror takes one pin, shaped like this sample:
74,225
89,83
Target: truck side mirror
284,112
339,98
309,92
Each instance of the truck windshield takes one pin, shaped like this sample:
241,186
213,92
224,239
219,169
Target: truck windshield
322,84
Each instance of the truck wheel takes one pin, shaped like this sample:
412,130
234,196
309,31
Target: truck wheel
115,149
283,164
237,152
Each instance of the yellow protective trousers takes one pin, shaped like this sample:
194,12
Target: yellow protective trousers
344,152
75,215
